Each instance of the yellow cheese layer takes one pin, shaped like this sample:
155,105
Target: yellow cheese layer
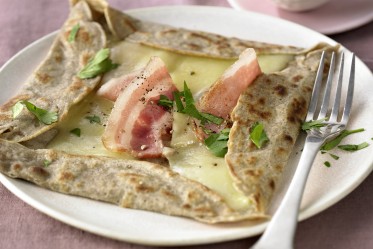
188,156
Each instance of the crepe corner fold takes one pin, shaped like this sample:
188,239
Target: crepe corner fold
279,101
140,184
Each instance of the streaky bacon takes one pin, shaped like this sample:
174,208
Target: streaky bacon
222,96
111,89
137,124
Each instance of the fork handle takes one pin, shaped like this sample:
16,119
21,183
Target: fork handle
280,231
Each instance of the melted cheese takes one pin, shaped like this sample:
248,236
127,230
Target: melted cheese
192,159
188,156
89,143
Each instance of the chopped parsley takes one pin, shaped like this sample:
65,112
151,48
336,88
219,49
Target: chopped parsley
347,147
212,118
353,147
190,108
44,116
327,164
335,157
257,135
99,64
316,124
17,109
76,132
217,142
47,163
165,101
93,119
334,142
73,32
185,104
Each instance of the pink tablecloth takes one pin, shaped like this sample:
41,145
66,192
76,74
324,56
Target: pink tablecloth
348,224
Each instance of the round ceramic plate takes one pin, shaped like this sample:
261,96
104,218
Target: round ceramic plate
325,187
334,17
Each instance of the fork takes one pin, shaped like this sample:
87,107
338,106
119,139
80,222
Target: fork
280,232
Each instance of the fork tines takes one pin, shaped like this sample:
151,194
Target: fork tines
323,113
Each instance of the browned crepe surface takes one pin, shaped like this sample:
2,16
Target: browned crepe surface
56,77
279,101
139,184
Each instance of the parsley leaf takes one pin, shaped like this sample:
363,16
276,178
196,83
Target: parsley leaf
165,101
73,32
212,118
76,132
335,157
44,116
217,142
17,109
178,102
184,103
327,164
353,147
47,163
258,135
94,119
306,126
334,142
190,108
97,65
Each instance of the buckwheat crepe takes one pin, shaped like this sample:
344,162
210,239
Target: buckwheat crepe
279,100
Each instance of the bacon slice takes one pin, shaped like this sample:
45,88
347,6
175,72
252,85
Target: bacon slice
112,89
137,124
222,96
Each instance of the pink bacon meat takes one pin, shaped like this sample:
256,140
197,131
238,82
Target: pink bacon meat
112,89
137,124
222,96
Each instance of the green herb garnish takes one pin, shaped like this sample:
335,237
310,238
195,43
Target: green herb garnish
189,108
47,163
165,101
217,143
76,132
184,103
94,119
178,102
44,116
73,32
333,143
17,109
327,164
317,124
335,157
100,64
211,118
258,135
353,147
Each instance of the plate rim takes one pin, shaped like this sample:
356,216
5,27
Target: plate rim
237,5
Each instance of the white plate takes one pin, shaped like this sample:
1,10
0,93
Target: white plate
325,187
334,17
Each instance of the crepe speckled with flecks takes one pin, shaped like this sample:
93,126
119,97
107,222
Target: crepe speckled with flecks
140,184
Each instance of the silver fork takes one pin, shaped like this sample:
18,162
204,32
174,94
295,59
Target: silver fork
281,229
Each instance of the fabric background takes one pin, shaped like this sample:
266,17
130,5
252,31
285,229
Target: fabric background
346,225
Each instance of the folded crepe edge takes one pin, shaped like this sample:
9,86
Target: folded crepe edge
56,76
127,183
136,28
279,101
